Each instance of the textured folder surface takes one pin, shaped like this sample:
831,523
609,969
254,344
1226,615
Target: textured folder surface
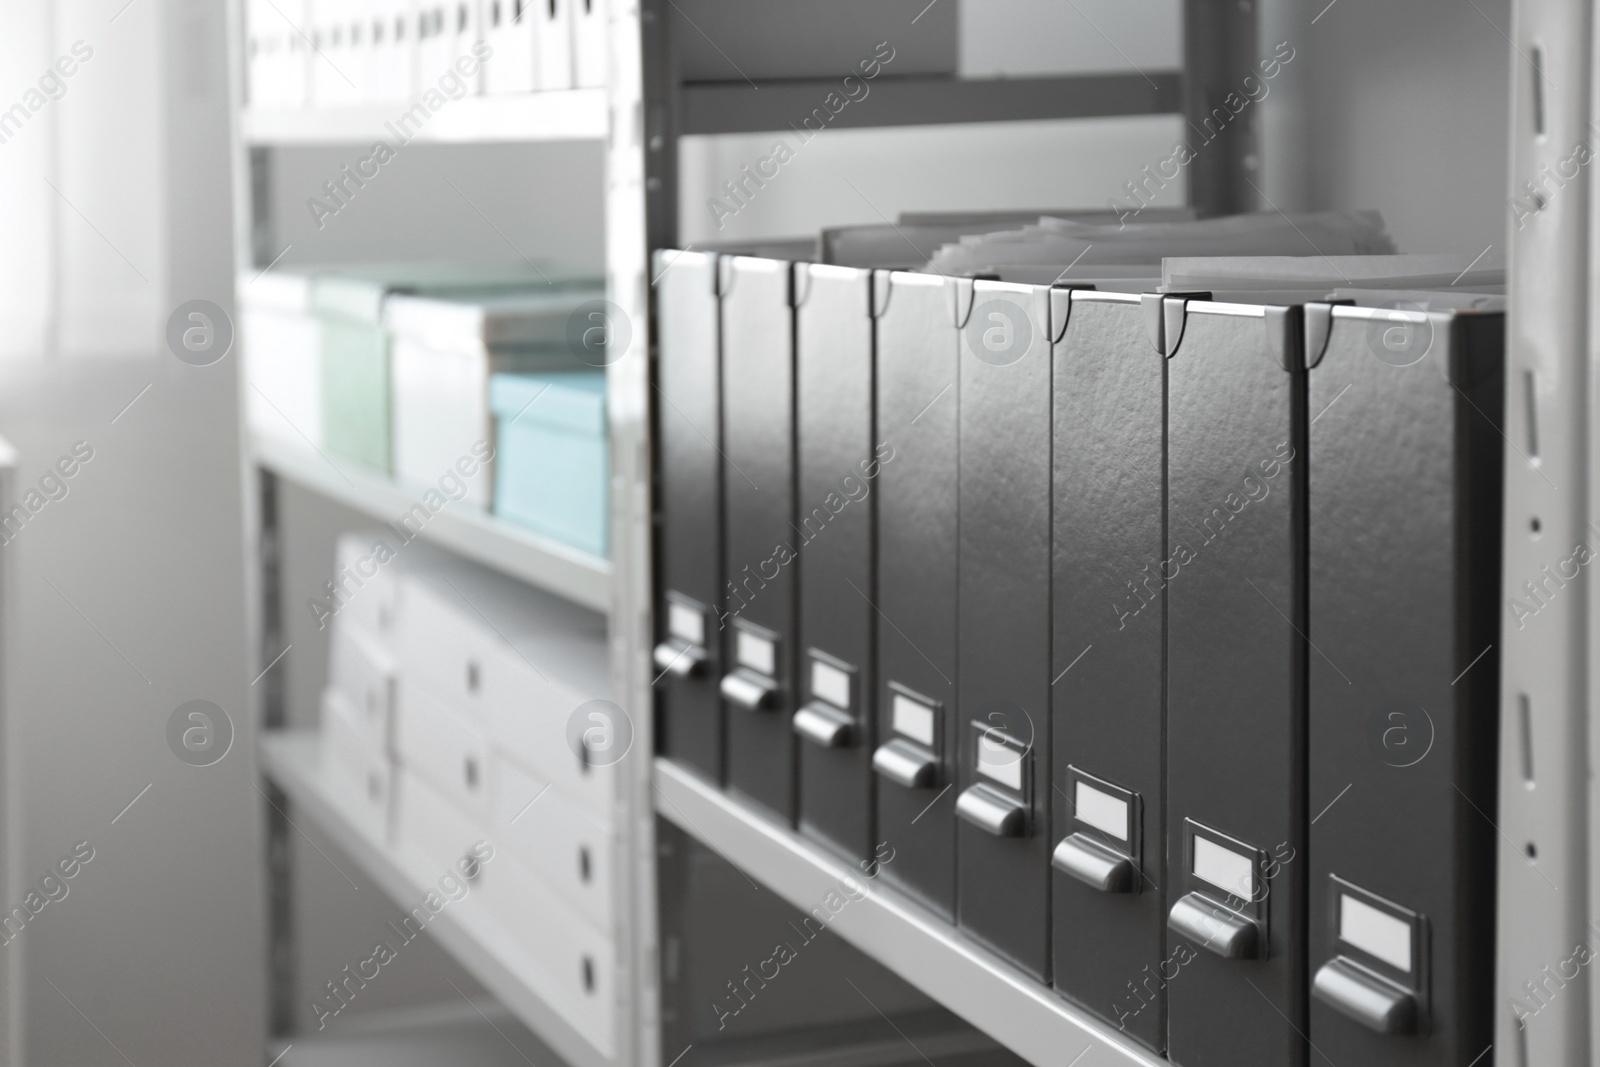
688,435
1235,709
837,475
917,405
1003,636
1405,532
760,547
1108,607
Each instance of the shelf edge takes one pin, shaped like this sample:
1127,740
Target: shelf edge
539,561
1027,1017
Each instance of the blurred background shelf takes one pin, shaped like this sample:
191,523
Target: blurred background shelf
1013,1008
557,115
293,760
478,535
742,107
475,1032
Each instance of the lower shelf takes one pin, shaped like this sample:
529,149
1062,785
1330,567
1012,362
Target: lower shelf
466,1033
1011,1007
293,759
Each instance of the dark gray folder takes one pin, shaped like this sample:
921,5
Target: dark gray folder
837,478
760,552
1108,914
1235,885
688,652
1405,537
1003,630
918,733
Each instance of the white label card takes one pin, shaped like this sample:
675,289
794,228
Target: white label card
686,623
914,719
1101,810
831,684
1224,868
757,653
999,761
1375,931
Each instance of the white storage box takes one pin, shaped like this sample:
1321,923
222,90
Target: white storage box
276,54
444,747
509,26
562,957
553,67
556,839
442,355
361,776
591,46
362,671
525,664
281,343
366,582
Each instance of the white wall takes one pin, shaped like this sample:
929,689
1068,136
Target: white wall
1411,103
866,176
129,600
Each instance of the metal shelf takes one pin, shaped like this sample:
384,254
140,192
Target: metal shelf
736,107
293,760
478,535
555,115
1014,1009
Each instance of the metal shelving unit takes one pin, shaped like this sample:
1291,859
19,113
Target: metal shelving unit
638,119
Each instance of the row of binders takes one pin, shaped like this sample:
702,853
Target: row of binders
447,741
1154,628
483,386
336,53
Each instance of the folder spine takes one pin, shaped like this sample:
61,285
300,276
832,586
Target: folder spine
1003,630
689,612
918,401
839,461
1110,565
761,550
1236,662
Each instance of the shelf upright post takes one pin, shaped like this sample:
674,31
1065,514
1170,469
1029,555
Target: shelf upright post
634,204
1219,52
1544,880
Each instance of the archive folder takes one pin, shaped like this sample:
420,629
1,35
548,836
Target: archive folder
1404,680
760,555
1234,580
688,651
838,464
1108,610
1003,628
918,735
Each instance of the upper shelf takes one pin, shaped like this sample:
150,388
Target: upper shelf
478,535
553,115
743,107
1029,1018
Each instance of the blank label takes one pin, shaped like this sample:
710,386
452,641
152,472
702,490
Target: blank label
1375,931
1224,868
914,719
831,684
686,623
757,653
1101,810
999,761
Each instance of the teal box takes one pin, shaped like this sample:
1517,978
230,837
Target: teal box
552,467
